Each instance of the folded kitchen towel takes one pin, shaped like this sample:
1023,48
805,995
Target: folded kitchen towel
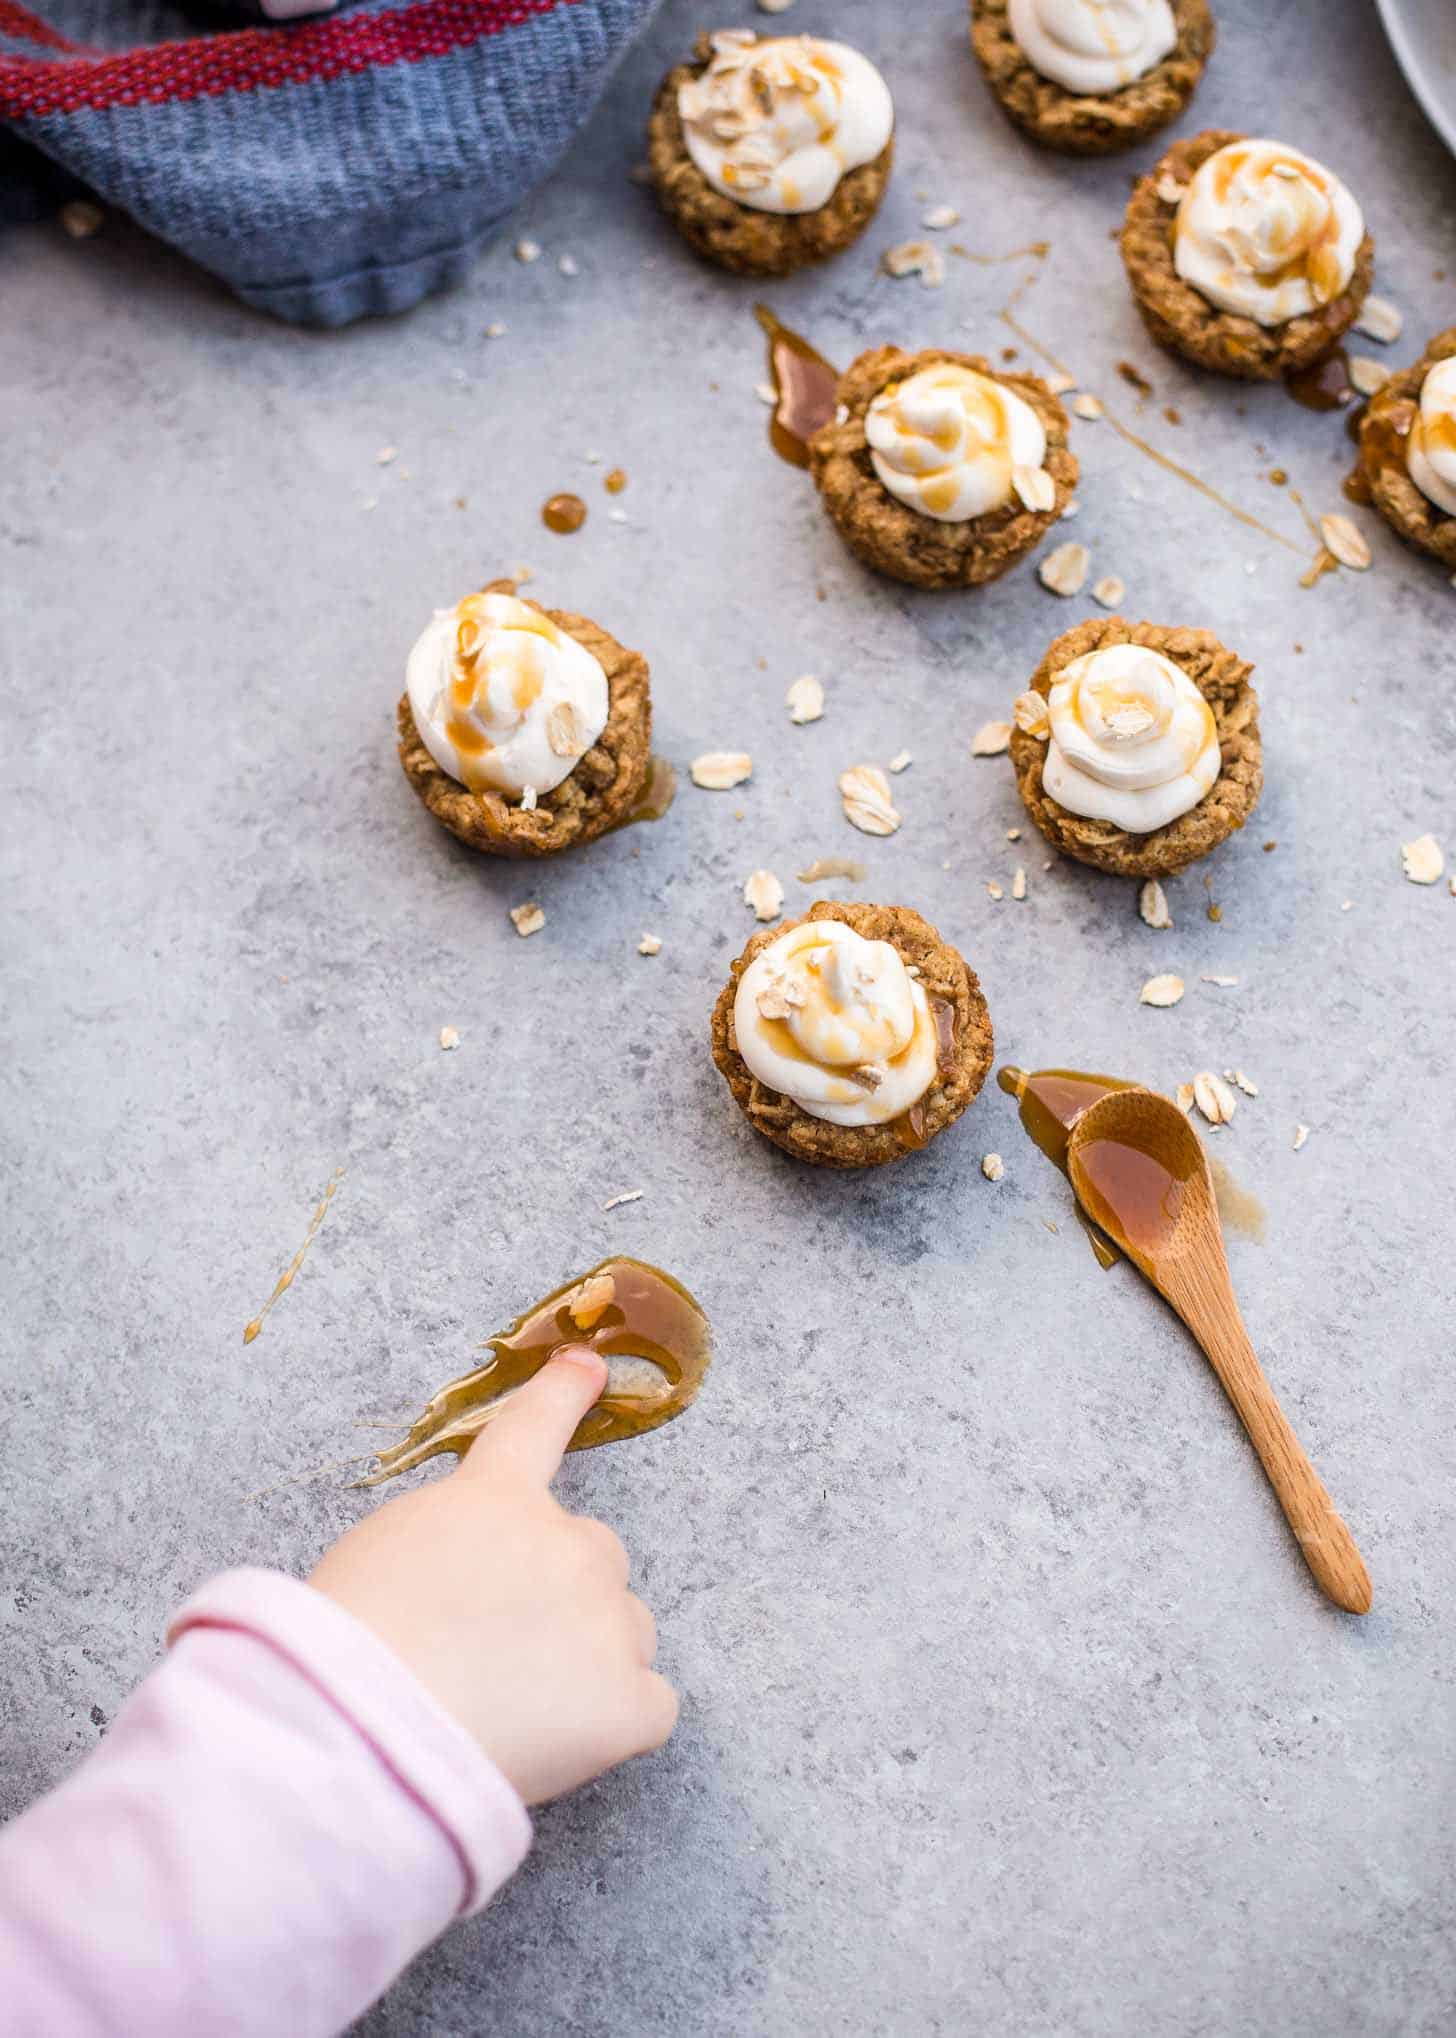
324,168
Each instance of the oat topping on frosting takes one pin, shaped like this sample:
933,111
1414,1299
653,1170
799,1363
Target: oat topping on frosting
951,443
1430,448
1130,739
503,700
1266,233
836,1023
776,124
1093,46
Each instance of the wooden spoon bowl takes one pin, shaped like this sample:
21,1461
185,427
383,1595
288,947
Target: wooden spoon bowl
1141,1174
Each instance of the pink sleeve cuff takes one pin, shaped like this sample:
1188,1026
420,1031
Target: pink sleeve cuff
428,1754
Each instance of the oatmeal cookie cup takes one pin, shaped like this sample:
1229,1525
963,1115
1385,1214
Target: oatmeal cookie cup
1092,123
595,797
963,1063
1223,680
1184,321
739,237
1383,471
896,540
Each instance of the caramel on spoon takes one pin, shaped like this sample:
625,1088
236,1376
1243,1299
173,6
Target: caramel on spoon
1140,1172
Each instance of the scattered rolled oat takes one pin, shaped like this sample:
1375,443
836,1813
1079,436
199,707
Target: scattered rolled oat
940,217
650,944
528,251
1214,1098
1088,406
81,218
1368,375
1013,834
899,761
762,891
1064,571
1030,710
563,732
1250,1089
1422,860
992,1167
1169,189
831,866
624,1196
1164,990
592,1300
991,739
766,394
865,792
1153,905
1109,591
449,1037
1224,983
1035,487
916,258
1018,883
567,265
386,455
805,699
528,919
1059,383
1073,509
993,890
496,330
1379,320
1184,1097
1345,541
718,771
1301,1134
774,6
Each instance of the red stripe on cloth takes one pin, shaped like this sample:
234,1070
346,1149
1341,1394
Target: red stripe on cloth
27,27
246,60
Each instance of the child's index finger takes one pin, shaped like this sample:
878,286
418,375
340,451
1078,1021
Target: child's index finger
527,1440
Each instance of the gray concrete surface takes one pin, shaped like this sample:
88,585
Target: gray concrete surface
1008,1706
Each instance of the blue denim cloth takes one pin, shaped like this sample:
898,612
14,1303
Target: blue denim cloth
361,182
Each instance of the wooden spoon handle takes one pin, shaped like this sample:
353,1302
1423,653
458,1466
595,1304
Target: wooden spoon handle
1327,1545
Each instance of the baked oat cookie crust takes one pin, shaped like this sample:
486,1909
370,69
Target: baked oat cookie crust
893,538
596,796
1181,319
1223,680
1092,124
1384,425
944,974
736,236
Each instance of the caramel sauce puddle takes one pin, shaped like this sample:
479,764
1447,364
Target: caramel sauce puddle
651,1331
805,389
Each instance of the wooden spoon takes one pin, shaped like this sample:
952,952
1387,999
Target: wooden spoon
1140,1172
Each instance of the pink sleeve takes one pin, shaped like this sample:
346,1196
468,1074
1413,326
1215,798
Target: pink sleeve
279,1819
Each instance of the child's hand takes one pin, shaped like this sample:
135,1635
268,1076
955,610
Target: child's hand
512,1612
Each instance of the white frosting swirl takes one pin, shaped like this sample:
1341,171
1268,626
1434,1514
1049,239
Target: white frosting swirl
948,441
1132,740
1430,450
1266,233
775,124
1093,46
502,699
837,1023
